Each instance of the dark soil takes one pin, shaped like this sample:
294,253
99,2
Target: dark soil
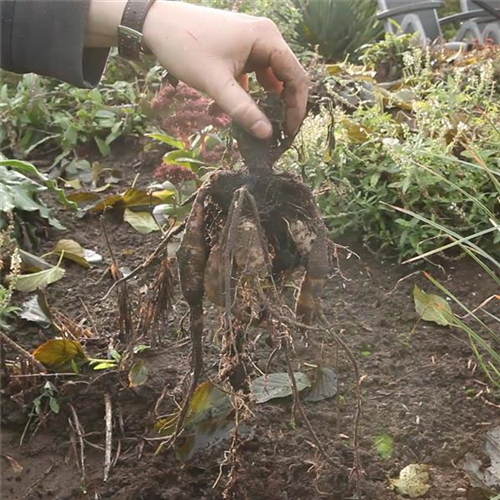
420,385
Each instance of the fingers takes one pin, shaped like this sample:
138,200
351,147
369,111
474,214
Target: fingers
268,80
271,51
234,100
287,68
243,80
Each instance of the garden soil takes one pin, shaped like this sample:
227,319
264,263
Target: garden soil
420,387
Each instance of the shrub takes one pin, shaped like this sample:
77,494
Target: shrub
336,28
406,147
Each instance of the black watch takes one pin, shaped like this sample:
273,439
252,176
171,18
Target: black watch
130,29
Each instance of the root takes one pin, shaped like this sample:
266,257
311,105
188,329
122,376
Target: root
297,405
125,313
156,254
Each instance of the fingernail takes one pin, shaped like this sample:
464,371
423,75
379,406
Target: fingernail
261,129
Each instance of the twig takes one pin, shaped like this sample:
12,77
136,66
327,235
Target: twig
156,252
80,433
89,316
357,462
297,404
109,434
126,324
358,468
25,354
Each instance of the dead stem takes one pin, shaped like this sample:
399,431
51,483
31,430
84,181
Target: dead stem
156,253
80,432
109,434
124,312
24,354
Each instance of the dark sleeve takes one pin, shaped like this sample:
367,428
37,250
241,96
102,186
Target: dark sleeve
47,37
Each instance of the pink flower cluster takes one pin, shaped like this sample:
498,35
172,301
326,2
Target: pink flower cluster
184,111
176,174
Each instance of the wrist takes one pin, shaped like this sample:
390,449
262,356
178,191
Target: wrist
163,11
102,26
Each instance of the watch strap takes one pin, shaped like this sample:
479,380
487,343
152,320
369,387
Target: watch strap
130,29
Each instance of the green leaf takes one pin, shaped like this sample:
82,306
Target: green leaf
57,353
140,348
138,374
26,168
71,250
54,405
385,445
31,282
167,139
104,148
105,365
143,222
413,481
433,308
278,385
324,385
71,135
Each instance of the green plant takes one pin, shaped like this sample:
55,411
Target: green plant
42,116
20,198
49,394
386,56
483,338
6,244
336,28
406,146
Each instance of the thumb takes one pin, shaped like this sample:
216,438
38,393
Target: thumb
235,101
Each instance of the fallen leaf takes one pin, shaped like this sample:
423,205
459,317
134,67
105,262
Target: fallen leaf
143,222
433,308
132,197
324,385
32,262
56,354
138,374
208,402
31,282
31,311
71,250
486,477
413,481
277,385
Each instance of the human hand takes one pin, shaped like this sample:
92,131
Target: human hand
211,50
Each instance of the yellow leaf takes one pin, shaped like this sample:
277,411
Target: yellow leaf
57,353
355,132
208,402
133,197
72,251
164,195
